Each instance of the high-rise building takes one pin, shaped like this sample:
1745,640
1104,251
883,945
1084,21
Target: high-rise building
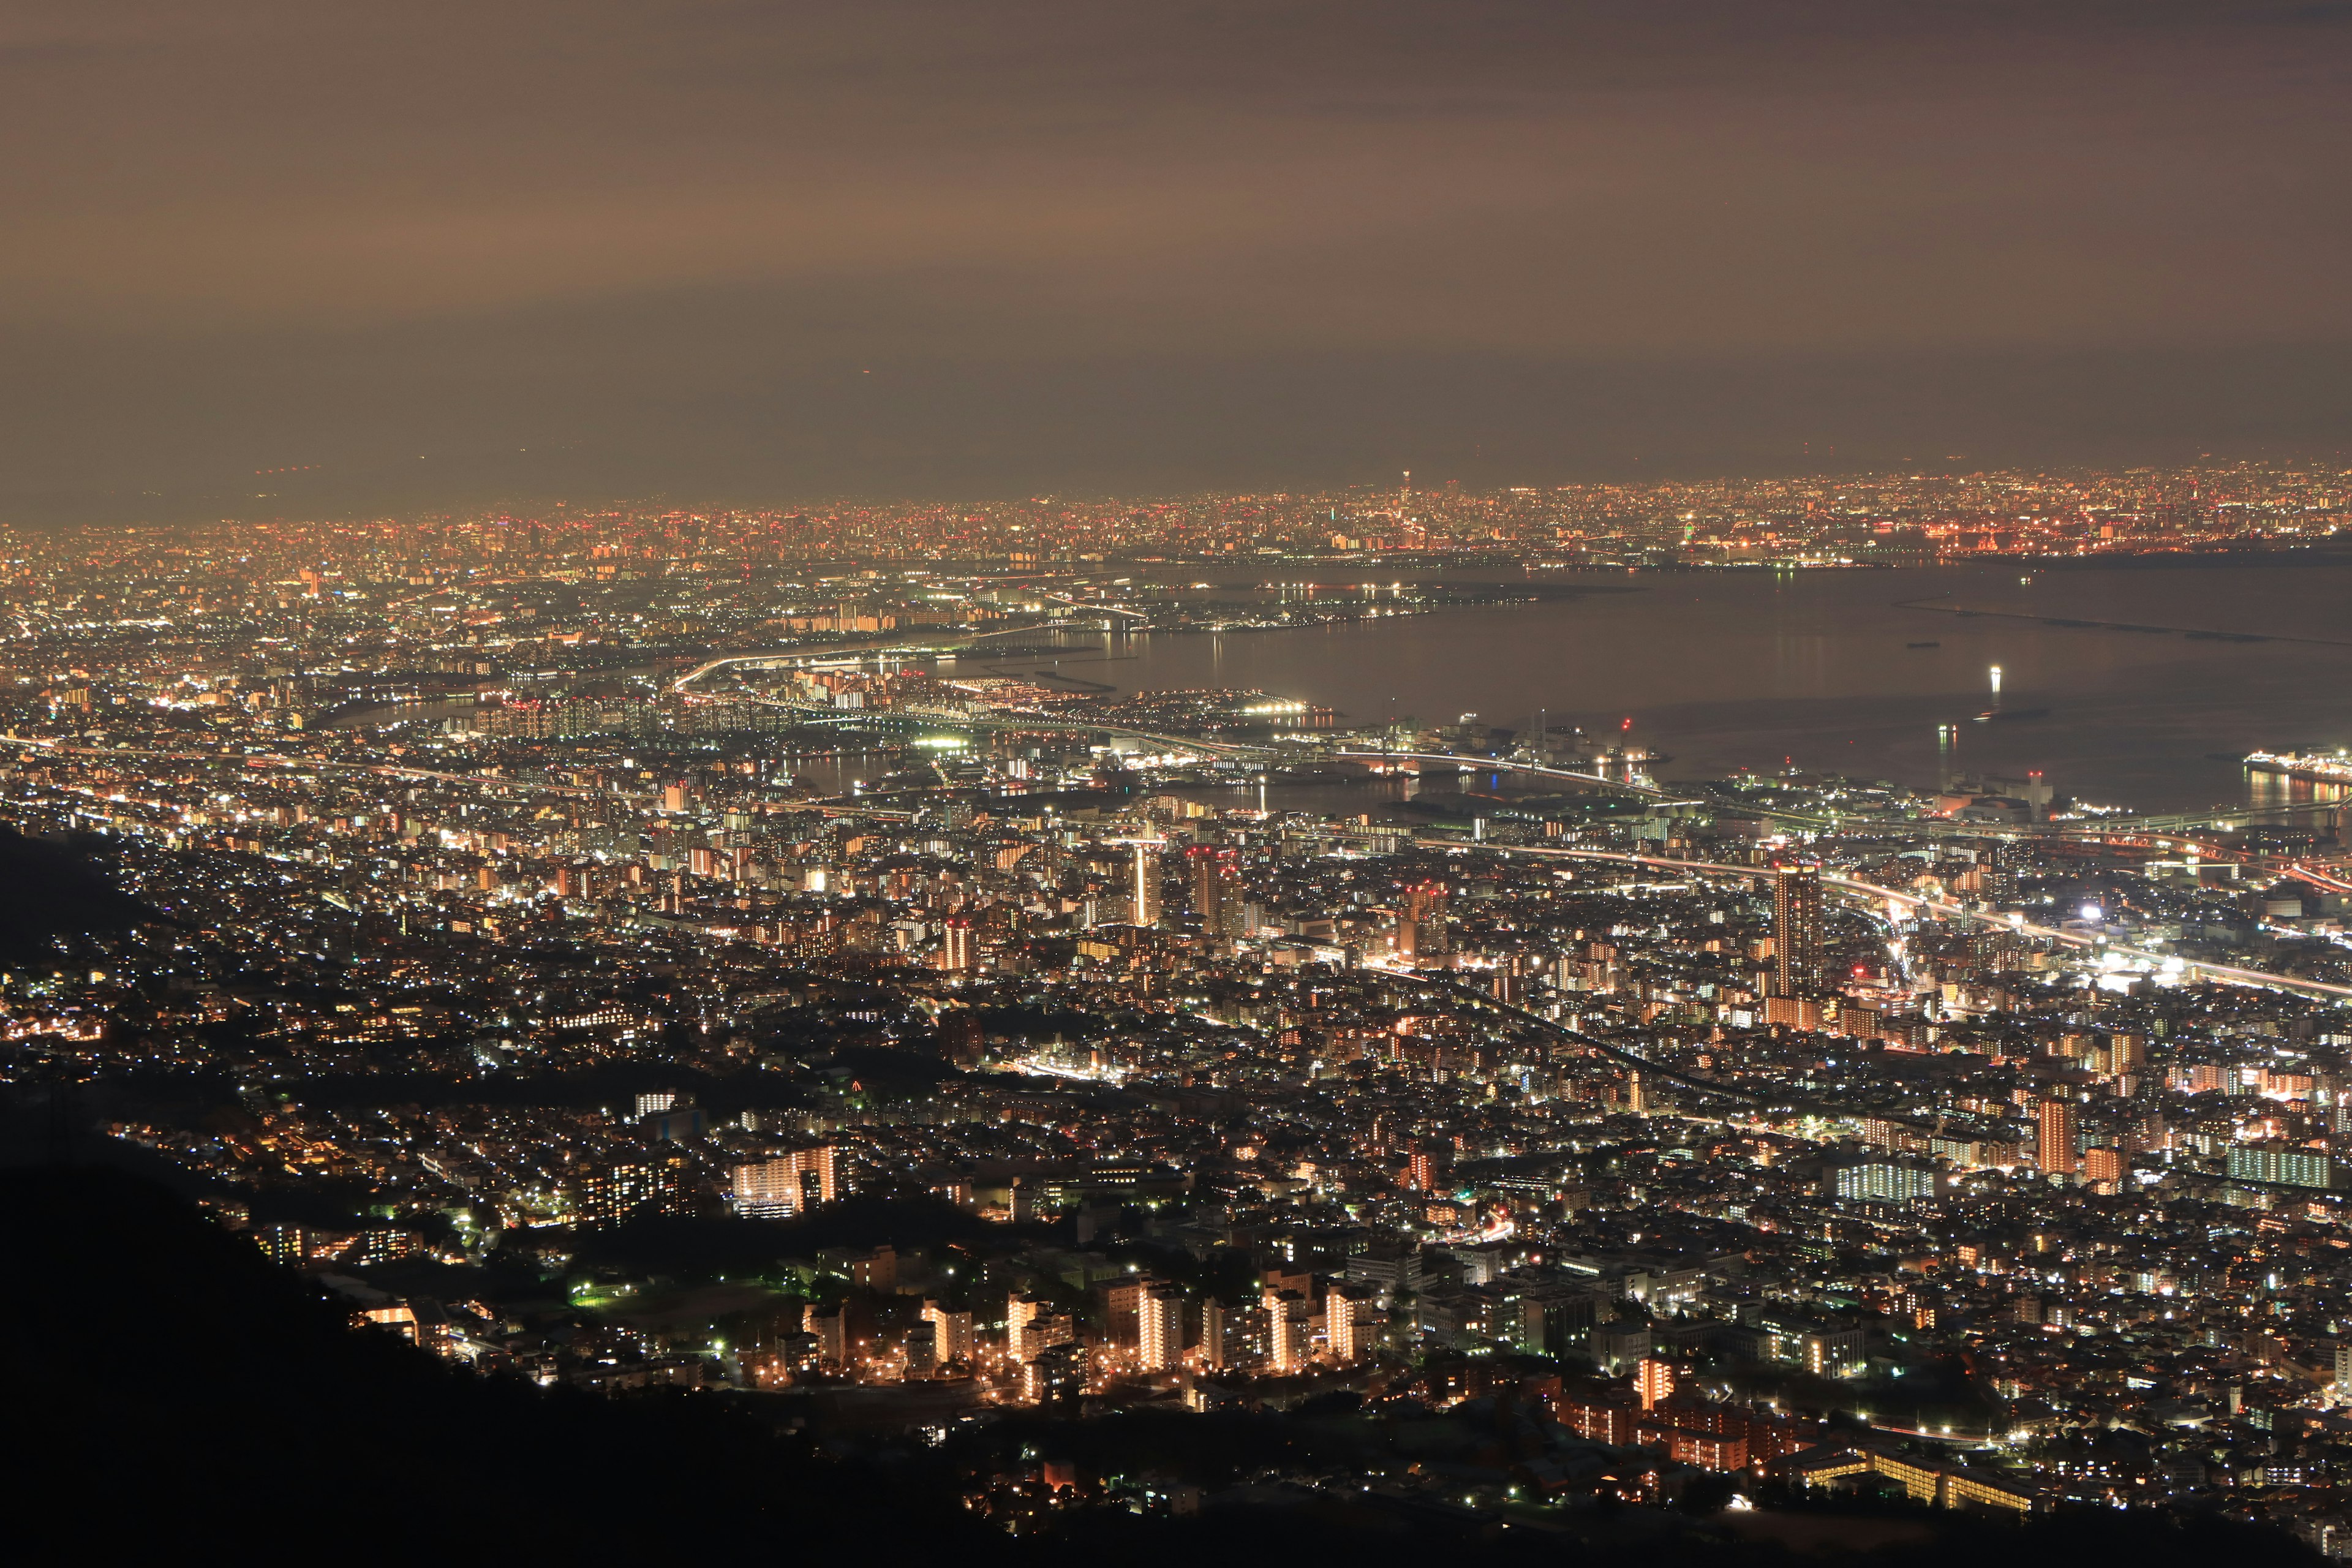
1232,1336
678,1125
2053,1149
1799,962
1019,1311
1286,1330
2127,1053
2284,1164
1421,932
1143,890
1160,1327
1387,1269
1214,1330
1344,1323
1057,1376
1653,1380
950,1333
1031,1325
1885,1181
635,1189
1123,1304
829,1326
963,1039
1213,874
1997,862
1420,1170
787,1185
955,951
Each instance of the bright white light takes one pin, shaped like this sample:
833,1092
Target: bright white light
2093,913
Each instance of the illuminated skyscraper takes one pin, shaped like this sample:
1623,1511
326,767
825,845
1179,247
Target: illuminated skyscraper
1343,1330
1654,1381
1160,1327
1143,893
955,953
1799,964
1287,1330
1019,1312
1998,860
1213,874
2055,1149
1421,924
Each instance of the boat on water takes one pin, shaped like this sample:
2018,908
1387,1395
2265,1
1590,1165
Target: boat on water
2009,715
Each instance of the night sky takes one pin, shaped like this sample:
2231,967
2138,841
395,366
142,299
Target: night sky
453,253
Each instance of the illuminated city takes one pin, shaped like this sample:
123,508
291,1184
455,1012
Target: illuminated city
567,924
1520,783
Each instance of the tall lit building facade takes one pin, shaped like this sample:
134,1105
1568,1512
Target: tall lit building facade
2053,1148
955,944
1213,874
1020,1311
1800,956
1233,1336
635,1189
1288,1331
1143,889
1421,924
950,1333
1160,1327
789,1184
1344,1325
1032,1326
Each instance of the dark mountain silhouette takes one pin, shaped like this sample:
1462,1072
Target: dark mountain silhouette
170,1389
51,889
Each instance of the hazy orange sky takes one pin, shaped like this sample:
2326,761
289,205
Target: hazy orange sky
441,254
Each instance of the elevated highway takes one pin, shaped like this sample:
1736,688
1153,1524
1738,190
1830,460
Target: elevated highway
2326,878
1021,723
1651,793
1854,887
